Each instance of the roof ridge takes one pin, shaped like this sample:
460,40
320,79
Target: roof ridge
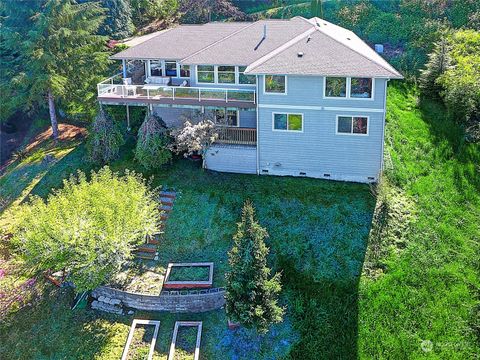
278,50
319,28
218,41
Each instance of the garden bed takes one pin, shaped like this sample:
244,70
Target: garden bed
186,341
141,340
189,275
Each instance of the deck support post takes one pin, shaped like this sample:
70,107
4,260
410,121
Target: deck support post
128,118
124,68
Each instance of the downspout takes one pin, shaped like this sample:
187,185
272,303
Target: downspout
258,129
382,155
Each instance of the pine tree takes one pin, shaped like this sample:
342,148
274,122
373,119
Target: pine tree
54,53
438,61
152,144
118,23
251,294
105,139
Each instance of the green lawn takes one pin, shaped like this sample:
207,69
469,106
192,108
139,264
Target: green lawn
318,238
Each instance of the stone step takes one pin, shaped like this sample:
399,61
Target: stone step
164,217
153,240
168,194
145,255
166,201
166,208
146,248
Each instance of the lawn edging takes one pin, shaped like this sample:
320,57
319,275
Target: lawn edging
192,301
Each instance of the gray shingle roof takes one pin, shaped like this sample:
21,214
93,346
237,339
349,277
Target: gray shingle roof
327,49
181,41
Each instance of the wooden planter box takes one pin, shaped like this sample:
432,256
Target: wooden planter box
132,331
188,284
178,324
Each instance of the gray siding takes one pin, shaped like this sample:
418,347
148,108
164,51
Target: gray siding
248,119
232,158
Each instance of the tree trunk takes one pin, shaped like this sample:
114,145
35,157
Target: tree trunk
53,115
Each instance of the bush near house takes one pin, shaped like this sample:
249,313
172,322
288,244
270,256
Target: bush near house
152,144
88,228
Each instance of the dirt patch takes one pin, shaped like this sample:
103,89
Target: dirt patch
66,132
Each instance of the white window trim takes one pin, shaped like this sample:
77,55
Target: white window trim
275,93
352,133
348,89
286,130
215,77
162,63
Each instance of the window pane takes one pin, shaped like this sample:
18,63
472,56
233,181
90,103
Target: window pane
171,68
360,125
344,124
205,77
226,68
219,115
336,87
295,122
280,121
247,79
275,84
361,88
232,119
185,71
205,67
226,78
155,68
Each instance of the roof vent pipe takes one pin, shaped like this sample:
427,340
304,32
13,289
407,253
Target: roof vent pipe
265,31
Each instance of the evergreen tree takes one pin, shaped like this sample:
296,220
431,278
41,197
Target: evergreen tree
53,52
251,294
438,61
152,145
316,8
118,23
104,139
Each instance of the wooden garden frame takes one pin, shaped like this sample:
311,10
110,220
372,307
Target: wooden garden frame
198,324
167,284
136,322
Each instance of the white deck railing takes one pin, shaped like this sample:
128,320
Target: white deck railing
112,88
234,135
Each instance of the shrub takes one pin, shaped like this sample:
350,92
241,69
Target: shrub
251,295
105,139
152,149
88,228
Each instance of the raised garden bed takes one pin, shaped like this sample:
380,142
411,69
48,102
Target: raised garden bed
186,341
141,340
189,275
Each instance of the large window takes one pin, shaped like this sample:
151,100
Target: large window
156,68
226,74
348,88
171,68
357,125
287,122
206,74
361,88
335,87
275,84
226,116
185,71
245,79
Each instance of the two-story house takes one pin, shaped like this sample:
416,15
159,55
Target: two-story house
300,97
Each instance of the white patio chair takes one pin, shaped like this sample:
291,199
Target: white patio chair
129,87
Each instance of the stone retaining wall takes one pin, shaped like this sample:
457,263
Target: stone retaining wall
171,301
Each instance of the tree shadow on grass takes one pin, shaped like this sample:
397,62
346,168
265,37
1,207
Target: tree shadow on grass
49,329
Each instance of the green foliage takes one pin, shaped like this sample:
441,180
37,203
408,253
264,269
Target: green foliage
146,11
152,150
251,296
202,11
438,61
118,23
104,139
88,228
52,46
